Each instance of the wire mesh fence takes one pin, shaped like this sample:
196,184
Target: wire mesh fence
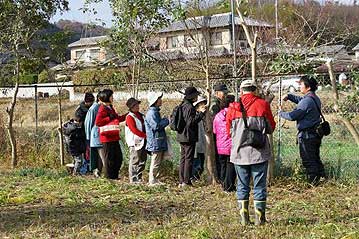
37,124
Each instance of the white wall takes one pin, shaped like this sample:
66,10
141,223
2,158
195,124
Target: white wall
30,92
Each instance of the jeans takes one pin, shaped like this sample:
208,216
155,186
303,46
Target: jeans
259,174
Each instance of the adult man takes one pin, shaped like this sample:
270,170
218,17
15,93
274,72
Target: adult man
251,161
217,102
307,115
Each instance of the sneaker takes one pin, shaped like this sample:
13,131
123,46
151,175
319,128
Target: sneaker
96,173
185,185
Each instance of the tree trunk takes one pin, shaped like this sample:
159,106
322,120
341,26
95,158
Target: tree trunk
254,63
335,93
138,77
210,147
10,130
133,77
61,136
351,129
10,111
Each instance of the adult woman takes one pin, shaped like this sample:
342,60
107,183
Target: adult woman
108,121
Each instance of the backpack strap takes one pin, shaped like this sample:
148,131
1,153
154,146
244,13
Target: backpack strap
244,113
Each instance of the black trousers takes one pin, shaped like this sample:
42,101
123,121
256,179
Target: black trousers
112,159
309,150
198,166
227,173
187,155
216,159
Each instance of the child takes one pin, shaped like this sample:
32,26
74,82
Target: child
227,174
75,140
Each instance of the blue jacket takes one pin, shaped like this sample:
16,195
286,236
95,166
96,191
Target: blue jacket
155,130
91,130
306,113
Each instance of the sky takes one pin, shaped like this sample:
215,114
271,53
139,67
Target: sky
103,12
75,13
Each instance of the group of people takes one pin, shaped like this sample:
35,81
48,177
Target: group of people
240,129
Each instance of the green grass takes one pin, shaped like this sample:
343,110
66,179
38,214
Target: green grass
38,203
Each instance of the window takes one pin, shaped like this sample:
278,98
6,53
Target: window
243,44
189,40
173,42
80,55
94,54
216,38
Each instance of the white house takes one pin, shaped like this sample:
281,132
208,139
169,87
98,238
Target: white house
185,35
87,50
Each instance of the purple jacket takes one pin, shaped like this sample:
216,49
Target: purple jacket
224,142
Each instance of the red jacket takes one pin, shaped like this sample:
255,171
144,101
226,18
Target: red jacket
103,117
254,106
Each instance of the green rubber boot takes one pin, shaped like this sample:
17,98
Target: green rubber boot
243,211
260,212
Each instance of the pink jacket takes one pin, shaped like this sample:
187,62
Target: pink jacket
224,142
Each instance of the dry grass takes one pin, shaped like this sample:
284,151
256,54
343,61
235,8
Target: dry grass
48,204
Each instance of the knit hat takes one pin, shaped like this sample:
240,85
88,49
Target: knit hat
89,97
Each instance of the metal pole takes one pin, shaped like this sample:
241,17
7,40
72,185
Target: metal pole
279,158
234,48
36,119
276,20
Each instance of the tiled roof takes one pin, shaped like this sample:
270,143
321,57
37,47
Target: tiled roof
215,21
89,41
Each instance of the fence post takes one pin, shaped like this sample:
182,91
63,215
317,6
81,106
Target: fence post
36,119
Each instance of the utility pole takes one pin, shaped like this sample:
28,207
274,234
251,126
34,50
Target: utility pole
234,48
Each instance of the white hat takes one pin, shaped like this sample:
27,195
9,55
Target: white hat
248,83
199,100
153,97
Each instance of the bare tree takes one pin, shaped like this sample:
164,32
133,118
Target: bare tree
26,18
354,131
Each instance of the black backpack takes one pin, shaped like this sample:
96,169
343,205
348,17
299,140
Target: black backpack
176,119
